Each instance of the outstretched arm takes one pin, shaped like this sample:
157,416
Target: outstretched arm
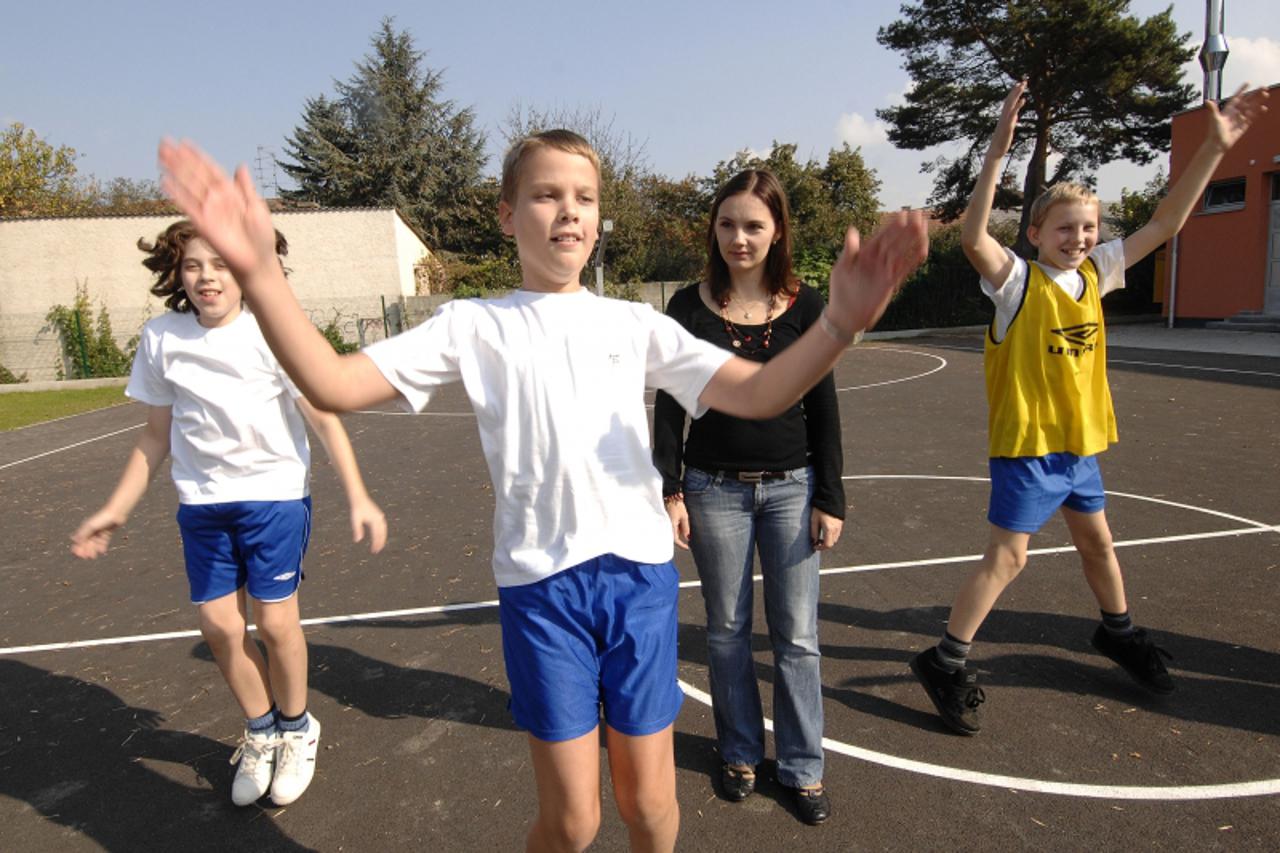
92,538
366,516
1225,129
235,221
983,251
863,280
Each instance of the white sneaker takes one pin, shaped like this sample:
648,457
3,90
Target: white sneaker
256,753
296,763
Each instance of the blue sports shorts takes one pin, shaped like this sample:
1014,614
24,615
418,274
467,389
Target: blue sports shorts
600,633
258,544
1027,490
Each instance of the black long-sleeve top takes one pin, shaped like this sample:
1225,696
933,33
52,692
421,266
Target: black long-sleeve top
806,434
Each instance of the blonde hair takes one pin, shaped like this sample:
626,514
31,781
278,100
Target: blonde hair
1064,193
561,140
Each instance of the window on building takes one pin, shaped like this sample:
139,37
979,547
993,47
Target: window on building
1225,195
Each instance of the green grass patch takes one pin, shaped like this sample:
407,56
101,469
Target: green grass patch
23,408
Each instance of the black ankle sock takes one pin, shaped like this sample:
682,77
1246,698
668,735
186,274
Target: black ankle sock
1118,625
952,653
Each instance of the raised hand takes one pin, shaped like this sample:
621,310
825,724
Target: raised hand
228,213
866,276
1229,123
1002,139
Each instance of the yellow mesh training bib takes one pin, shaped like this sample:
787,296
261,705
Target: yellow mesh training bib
1047,380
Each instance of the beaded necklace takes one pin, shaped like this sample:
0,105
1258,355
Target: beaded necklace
740,340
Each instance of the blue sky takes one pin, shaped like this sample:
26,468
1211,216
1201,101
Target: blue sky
694,81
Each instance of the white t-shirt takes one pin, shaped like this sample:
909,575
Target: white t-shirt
557,383
1108,257
237,434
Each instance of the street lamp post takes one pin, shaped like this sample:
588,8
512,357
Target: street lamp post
606,228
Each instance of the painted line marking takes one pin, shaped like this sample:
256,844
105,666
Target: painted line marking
942,364
70,446
1261,787
1153,363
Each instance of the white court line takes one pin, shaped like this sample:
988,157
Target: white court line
1148,363
941,365
467,414
1261,787
69,446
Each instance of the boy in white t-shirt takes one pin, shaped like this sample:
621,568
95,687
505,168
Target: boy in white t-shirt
1050,410
582,545
222,407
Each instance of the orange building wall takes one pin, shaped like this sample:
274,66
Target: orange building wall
1222,256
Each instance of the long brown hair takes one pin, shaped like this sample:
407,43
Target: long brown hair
164,258
778,277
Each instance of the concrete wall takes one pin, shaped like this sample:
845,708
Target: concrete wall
342,264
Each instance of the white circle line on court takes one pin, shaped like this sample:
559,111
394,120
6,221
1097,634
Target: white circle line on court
481,605
942,363
1262,787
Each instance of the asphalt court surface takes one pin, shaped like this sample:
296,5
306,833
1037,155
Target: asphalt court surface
124,745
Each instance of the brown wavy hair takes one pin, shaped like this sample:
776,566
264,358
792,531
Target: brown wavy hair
164,259
778,277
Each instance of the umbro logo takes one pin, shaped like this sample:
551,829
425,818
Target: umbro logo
1082,334
1081,337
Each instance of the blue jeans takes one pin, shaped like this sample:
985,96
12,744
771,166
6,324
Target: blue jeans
729,521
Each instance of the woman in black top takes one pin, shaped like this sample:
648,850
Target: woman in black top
771,487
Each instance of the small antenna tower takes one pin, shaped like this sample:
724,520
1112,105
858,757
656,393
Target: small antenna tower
269,156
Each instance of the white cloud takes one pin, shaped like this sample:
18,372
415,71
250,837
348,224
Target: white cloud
857,131
1255,61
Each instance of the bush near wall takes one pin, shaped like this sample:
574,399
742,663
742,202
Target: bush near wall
89,348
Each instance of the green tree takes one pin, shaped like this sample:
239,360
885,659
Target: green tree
36,178
123,197
1102,86
1133,212
390,138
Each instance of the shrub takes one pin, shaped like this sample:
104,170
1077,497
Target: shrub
7,376
89,349
333,335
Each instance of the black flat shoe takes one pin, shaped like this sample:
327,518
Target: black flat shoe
812,804
737,784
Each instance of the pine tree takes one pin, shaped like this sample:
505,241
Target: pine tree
389,137
1102,86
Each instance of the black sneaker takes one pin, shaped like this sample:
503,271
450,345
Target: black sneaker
956,695
1138,656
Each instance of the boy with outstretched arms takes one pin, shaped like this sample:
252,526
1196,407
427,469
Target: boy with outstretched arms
1049,403
582,546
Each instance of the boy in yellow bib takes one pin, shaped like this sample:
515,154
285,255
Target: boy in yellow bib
1049,404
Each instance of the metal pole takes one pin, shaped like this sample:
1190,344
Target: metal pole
1213,53
85,370
606,228
386,327
1173,281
